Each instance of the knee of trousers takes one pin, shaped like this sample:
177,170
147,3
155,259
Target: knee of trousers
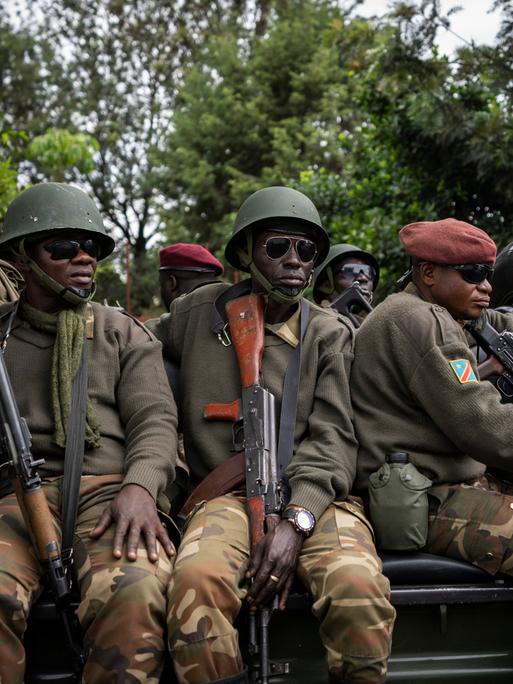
364,590
199,587
14,609
131,591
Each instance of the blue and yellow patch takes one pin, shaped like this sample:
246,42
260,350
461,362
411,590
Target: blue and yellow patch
463,371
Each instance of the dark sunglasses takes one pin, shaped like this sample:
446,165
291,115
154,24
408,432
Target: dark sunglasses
68,249
352,270
473,273
277,247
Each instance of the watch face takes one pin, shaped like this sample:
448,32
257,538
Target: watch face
304,520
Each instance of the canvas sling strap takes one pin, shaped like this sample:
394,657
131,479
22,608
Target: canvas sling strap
74,457
230,474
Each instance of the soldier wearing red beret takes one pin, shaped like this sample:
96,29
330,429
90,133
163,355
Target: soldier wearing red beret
417,398
184,267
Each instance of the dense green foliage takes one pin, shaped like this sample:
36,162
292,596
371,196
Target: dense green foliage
171,113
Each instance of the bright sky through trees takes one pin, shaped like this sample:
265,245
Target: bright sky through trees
474,22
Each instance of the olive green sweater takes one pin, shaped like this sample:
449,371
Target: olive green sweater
323,465
407,397
130,396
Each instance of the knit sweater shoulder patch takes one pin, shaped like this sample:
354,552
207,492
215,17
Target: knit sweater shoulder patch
207,294
331,329
107,319
426,325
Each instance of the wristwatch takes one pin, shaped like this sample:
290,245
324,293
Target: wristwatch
301,518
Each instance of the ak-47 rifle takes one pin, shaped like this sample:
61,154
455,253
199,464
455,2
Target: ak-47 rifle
501,346
15,448
353,298
255,414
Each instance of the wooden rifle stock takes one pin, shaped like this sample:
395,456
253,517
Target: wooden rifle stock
246,319
39,521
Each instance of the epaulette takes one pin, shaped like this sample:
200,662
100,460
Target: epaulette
138,322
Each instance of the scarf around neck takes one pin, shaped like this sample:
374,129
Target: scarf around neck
69,328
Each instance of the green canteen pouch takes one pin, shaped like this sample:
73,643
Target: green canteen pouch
399,507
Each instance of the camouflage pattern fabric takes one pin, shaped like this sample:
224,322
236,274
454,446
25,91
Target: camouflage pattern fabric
473,521
338,564
122,606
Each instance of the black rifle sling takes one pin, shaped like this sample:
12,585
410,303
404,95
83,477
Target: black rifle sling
289,399
74,456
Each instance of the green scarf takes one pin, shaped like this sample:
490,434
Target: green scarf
69,328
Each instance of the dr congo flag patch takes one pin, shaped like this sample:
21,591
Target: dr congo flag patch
463,370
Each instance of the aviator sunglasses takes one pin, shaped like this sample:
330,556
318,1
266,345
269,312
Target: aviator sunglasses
352,270
277,247
68,249
473,273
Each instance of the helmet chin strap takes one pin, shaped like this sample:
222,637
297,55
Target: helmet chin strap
271,292
72,295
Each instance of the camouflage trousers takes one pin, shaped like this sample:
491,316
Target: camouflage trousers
122,607
338,564
474,522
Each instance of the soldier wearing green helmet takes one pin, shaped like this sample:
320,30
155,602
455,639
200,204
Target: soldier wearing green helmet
345,266
322,534
44,210
284,210
56,341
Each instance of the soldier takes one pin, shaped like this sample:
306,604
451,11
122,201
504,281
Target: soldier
345,265
415,389
184,267
324,534
123,555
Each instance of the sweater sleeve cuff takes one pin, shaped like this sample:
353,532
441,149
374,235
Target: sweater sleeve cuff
309,496
140,474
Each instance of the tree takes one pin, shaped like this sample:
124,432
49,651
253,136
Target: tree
256,112
119,67
450,123
436,140
61,155
8,174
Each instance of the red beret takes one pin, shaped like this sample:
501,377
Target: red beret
187,257
448,241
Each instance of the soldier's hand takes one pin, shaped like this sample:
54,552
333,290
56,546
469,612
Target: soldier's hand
273,565
134,514
492,366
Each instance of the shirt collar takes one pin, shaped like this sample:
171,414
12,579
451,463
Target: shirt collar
288,331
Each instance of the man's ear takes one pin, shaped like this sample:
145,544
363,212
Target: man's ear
427,273
173,282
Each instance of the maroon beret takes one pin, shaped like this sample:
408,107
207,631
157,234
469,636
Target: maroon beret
188,257
448,241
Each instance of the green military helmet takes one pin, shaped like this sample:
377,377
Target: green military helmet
335,252
53,206
502,279
273,204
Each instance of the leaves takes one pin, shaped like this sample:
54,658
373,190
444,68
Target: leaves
59,153
173,113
